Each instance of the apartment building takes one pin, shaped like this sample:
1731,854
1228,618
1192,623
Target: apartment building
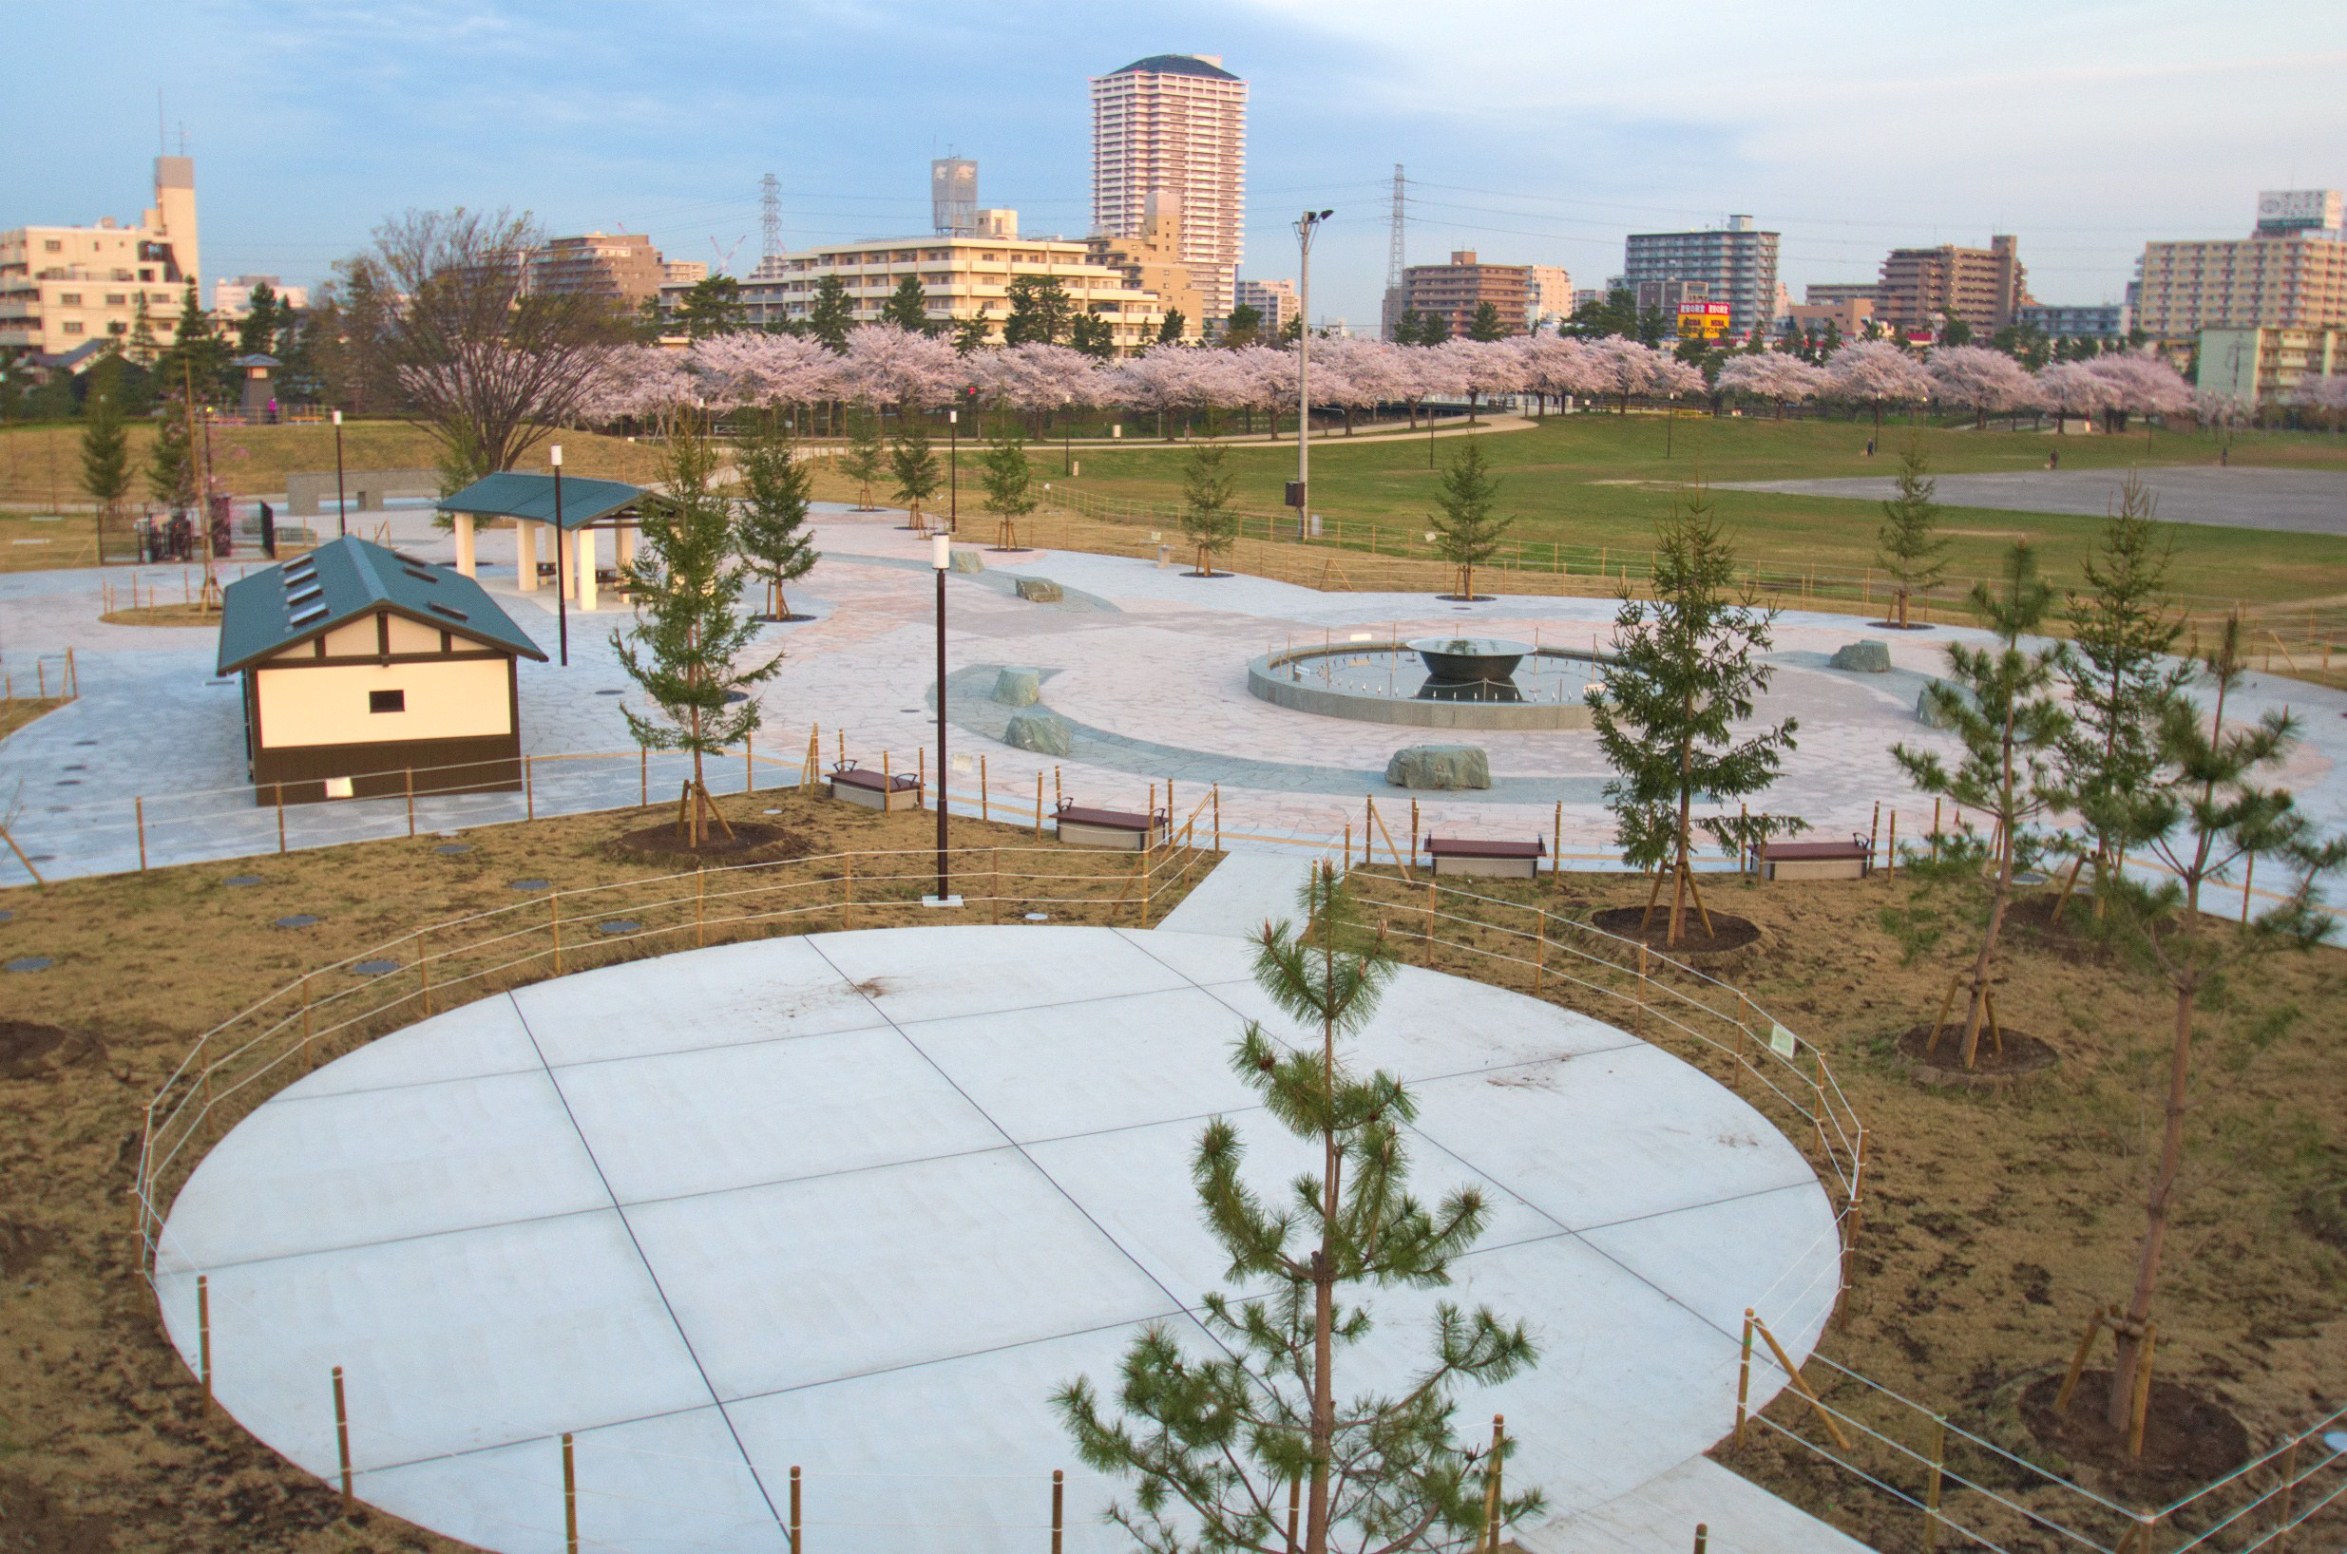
2289,273
1175,124
1737,264
963,277
233,299
1151,261
1276,301
621,265
1986,288
63,288
2259,368
2092,321
1452,292
1548,295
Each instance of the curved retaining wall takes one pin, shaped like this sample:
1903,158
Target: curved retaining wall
1268,680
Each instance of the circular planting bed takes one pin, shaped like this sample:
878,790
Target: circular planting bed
1730,936
2189,1438
1993,1068
748,841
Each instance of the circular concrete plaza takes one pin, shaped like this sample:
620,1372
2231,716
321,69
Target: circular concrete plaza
859,1202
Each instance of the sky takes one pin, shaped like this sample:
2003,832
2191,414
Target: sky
1533,131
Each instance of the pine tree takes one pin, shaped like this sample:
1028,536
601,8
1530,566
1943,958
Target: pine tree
197,352
1091,334
1207,520
1007,481
141,346
914,464
1911,548
171,464
771,529
687,631
972,333
832,314
1686,669
105,441
1467,534
256,333
1040,311
907,307
1242,327
2207,811
1169,330
1219,1442
1486,325
865,458
2120,678
2000,703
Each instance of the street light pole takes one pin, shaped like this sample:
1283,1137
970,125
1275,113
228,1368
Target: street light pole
941,561
1306,225
953,472
1067,435
341,507
561,599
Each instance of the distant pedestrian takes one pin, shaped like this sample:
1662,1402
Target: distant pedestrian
1870,447
2053,460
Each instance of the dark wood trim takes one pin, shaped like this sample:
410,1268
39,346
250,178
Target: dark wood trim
489,764
376,661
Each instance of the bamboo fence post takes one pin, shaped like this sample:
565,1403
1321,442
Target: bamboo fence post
643,777
342,1438
1801,1383
1491,1484
1295,1512
411,802
1539,949
1348,853
1430,910
554,925
1216,793
571,1498
1743,1380
1931,1498
749,761
1874,829
1935,830
139,814
984,812
1891,853
279,789
1059,1491
1556,857
1038,803
1702,1537
1413,830
529,788
795,1544
204,1333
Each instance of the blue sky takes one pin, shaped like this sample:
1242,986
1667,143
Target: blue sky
1533,130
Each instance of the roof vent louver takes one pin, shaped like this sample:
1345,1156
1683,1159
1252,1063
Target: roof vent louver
422,574
303,593
449,610
310,612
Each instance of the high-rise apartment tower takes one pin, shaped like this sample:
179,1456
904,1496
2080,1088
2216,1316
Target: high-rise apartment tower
1175,124
1737,265
953,196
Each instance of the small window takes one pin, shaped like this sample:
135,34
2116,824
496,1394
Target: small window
69,299
387,701
52,246
73,326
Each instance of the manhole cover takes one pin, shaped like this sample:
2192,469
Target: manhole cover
84,743
611,693
451,849
528,885
76,766
1038,917
69,782
619,925
375,968
7,917
299,920
31,963
240,881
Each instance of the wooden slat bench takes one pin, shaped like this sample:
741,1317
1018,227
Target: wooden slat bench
1486,856
1128,830
1850,860
874,790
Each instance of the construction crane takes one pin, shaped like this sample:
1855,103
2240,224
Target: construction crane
725,255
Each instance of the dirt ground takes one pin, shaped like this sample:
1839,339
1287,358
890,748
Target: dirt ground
1997,1219
105,1444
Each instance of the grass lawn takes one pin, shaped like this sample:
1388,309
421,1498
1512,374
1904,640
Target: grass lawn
104,1439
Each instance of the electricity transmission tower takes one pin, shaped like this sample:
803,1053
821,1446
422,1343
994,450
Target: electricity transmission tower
770,213
1394,262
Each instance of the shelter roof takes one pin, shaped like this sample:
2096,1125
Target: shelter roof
511,494
341,580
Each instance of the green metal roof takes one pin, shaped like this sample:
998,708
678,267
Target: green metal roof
341,580
515,495
1176,65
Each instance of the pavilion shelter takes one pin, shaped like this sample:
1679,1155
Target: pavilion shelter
587,506
368,674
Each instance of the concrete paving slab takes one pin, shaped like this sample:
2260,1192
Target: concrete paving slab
761,991
917,976
1789,1230
481,1038
1244,890
1660,1517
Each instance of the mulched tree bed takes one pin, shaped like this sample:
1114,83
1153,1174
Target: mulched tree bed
2189,1438
751,842
1729,934
29,1050
1993,1067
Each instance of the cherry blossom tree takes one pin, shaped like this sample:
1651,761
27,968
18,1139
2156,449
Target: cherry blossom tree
638,383
1370,373
2072,388
2326,396
762,369
887,364
1558,365
1620,366
1876,373
1777,377
2141,384
1980,380
1162,379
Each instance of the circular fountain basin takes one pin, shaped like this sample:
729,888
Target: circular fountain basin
1398,683
1470,660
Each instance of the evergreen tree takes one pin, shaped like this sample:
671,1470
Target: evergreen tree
197,355
1909,545
771,529
171,464
865,458
1244,327
914,464
105,441
1485,325
972,333
1468,532
1433,328
1220,1441
1169,332
1686,669
1092,335
141,346
1207,520
1007,481
907,307
714,307
2206,810
256,333
1410,327
1999,702
1040,311
687,630
832,314
1292,331
2120,679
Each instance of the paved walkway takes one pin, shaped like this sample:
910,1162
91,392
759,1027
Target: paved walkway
1660,1517
2301,501
885,1191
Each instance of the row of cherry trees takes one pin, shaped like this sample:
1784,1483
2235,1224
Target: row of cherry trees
887,365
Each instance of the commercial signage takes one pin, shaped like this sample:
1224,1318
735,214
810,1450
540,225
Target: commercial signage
1703,320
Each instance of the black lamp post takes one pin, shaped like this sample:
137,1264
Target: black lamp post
341,507
953,471
561,596
940,561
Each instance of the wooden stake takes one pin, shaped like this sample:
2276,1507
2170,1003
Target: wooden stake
1059,1494
2078,1361
1935,830
570,1497
2141,1410
1215,793
1491,1484
983,814
749,761
644,777
1891,854
280,793
1743,1379
411,803
795,1545
1799,1381
1556,856
1931,1496
1038,803
204,1333
1940,1024
1295,1511
342,1439
139,813
1702,1537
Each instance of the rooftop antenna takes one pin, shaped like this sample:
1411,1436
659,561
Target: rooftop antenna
770,215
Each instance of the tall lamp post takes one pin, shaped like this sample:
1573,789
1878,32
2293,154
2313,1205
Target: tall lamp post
561,596
341,507
1067,435
953,471
940,562
1306,225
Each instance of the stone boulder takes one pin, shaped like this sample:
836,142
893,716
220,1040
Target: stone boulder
968,561
1045,733
1928,715
1018,687
1439,767
1038,590
1866,655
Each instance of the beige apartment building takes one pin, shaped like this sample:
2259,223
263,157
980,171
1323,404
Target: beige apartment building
62,288
1454,291
963,277
621,265
1175,124
1276,301
1984,287
2260,368
1152,261
2290,273
1548,294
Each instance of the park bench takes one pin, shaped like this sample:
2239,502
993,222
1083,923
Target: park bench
1850,860
1126,830
874,790
1486,856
